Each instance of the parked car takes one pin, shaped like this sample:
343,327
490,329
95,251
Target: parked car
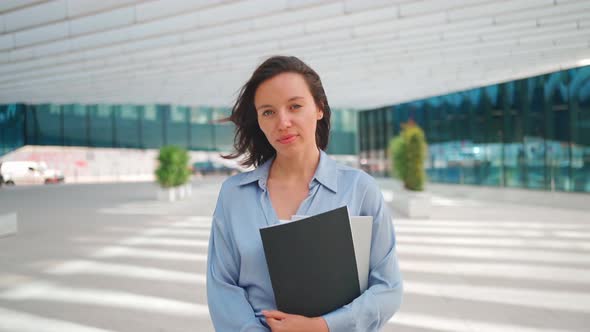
28,172
53,176
210,167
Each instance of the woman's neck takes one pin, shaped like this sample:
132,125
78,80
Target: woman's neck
295,168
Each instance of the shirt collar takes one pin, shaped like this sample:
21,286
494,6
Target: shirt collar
325,173
259,174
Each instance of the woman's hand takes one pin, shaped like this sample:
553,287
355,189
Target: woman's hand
282,322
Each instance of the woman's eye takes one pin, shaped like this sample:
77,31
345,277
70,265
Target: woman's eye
295,106
267,113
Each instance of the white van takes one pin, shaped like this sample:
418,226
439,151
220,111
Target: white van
22,172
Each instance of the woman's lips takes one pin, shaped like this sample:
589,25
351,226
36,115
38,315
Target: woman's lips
287,139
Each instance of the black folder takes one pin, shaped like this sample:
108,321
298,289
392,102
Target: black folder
311,263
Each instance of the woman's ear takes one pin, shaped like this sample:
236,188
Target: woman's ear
320,114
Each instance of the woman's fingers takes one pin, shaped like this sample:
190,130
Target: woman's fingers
273,323
274,314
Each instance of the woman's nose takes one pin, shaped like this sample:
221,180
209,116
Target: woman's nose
284,120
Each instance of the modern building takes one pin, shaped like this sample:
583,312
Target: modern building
83,140
528,133
138,127
499,87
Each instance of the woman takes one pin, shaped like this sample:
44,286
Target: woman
283,122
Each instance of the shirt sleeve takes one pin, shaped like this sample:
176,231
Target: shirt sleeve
371,310
229,307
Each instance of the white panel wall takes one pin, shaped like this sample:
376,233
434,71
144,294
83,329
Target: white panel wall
156,9
103,21
7,5
41,34
77,8
36,15
199,52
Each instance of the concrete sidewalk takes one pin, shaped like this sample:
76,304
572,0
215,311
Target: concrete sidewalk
490,203
110,258
495,259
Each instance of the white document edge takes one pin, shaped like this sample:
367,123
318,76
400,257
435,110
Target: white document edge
362,231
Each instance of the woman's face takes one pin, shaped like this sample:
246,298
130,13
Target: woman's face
287,113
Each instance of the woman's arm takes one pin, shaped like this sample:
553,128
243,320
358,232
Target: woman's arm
228,304
371,310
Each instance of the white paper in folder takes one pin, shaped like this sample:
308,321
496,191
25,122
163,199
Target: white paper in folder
362,230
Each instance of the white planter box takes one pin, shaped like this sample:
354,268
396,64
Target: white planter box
175,193
414,204
167,194
181,192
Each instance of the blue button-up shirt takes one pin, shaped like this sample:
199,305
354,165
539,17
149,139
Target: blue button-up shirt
238,283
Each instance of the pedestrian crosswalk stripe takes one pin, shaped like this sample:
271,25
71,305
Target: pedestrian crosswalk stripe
500,270
46,291
126,271
13,321
496,224
449,324
177,232
480,241
504,254
143,240
534,298
118,251
405,229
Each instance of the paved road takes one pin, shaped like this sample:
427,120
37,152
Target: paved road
110,258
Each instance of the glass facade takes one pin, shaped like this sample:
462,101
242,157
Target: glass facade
12,127
138,126
101,130
343,132
529,133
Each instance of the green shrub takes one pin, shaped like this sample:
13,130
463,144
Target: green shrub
397,152
173,169
408,152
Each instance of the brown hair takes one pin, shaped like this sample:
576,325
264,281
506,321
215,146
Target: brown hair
249,140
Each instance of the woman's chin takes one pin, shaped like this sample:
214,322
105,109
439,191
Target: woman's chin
293,150
288,149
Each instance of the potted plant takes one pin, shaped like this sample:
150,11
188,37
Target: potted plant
173,173
408,152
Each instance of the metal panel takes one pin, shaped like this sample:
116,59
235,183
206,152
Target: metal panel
35,15
41,34
103,21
